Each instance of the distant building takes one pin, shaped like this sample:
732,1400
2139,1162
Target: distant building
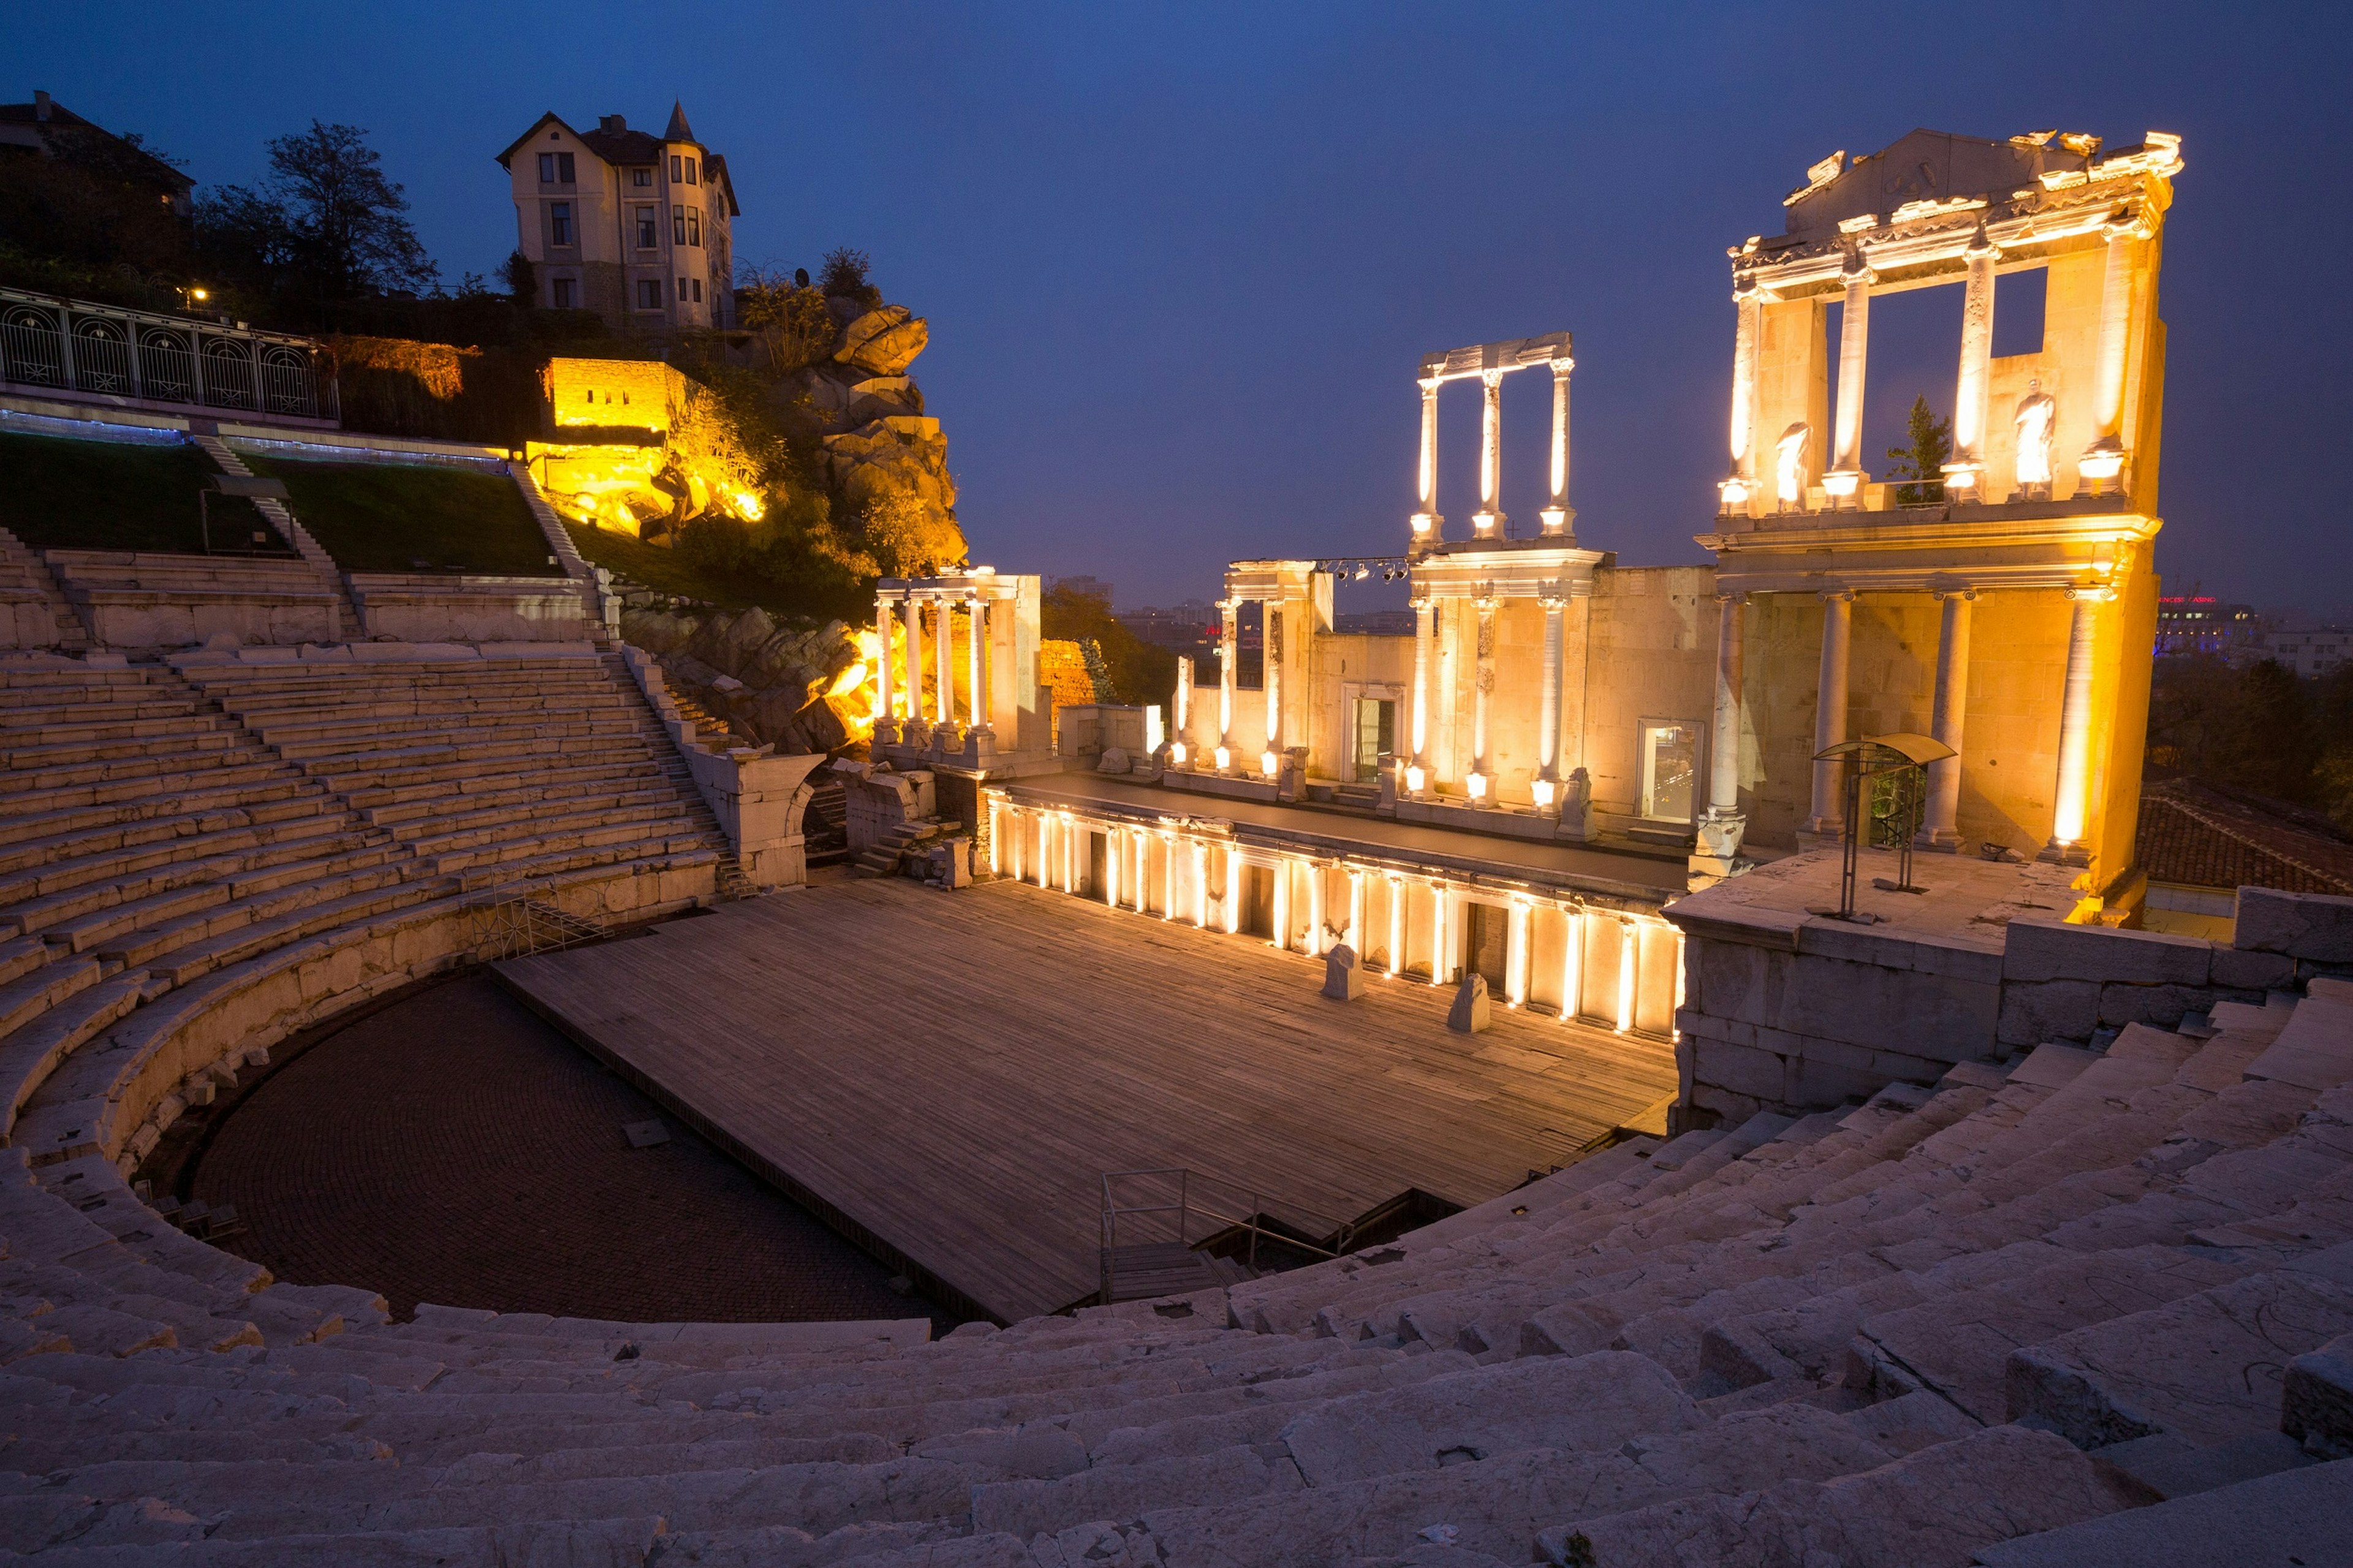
2199,844
1191,625
2309,650
48,127
633,226
2200,623
1093,587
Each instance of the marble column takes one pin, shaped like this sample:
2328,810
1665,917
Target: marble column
1939,826
911,613
1741,485
1271,662
943,621
1424,614
1556,613
1559,517
2103,461
1229,647
1426,521
885,698
1181,736
1487,522
976,660
1843,479
2071,812
1483,686
1723,739
1829,818
1973,388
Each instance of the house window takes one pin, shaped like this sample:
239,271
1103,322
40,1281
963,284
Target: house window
694,226
698,291
649,293
676,173
566,292
642,179
690,173
559,223
677,225
682,291
1670,761
648,233
556,168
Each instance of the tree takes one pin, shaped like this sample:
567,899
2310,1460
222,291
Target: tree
846,274
350,223
521,280
1923,462
1140,672
795,326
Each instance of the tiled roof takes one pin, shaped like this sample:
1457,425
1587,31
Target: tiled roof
157,171
2198,835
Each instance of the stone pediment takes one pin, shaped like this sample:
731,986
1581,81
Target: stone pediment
1933,166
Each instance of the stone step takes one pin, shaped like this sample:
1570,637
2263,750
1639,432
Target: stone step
125,861
251,776
104,829
111,778
2303,1516
1937,1506
22,1001
257,926
40,757
2207,1367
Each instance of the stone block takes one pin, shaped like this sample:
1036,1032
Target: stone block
2316,1402
1469,1014
2037,950
2056,1010
2309,926
1753,1073
2241,969
2160,1007
1344,978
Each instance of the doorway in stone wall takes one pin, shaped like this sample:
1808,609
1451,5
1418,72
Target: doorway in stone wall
1487,943
1372,735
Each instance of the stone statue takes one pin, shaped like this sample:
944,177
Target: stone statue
1344,978
1469,1014
1789,466
1577,804
2036,411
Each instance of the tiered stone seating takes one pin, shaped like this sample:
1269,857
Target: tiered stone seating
2030,1315
138,599
33,615
502,770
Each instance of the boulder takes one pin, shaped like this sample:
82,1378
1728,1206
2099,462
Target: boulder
656,631
1468,1014
1344,976
884,342
1114,760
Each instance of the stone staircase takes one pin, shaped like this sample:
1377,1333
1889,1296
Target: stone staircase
888,856
343,615
33,613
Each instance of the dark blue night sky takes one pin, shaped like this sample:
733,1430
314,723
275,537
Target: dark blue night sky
1179,262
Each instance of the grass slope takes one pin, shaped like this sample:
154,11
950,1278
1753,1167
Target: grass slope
409,517
57,493
668,571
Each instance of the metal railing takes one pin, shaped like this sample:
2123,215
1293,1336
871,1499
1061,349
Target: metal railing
519,926
1180,1206
78,346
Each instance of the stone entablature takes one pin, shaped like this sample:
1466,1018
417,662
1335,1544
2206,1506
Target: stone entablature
1598,955
1489,363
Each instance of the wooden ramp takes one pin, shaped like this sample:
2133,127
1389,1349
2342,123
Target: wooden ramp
949,1075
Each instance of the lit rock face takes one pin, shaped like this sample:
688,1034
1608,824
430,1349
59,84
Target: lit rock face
798,687
883,341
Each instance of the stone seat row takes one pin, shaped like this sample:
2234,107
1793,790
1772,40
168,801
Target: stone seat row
1129,1437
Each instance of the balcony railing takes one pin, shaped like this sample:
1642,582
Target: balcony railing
75,346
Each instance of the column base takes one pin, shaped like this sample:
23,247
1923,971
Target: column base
1487,525
1938,840
1478,786
1824,830
1559,522
2064,852
1718,837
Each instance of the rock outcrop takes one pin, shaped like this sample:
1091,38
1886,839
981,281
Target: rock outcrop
881,452
774,683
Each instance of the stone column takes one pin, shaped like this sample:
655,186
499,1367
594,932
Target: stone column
1843,481
1228,648
1829,818
1559,517
1487,522
1973,389
1556,609
1181,737
1742,485
1724,753
1270,639
1424,613
1939,825
2071,811
1482,684
976,660
912,611
1426,521
2103,461
943,625
885,699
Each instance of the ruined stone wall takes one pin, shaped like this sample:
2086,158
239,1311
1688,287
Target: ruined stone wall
1651,658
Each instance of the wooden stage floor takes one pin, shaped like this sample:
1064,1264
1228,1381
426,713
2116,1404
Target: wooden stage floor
953,1073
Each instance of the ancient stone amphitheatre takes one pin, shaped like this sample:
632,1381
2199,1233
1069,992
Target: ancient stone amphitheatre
1749,1213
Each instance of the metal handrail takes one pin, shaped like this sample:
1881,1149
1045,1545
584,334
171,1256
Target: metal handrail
1252,1219
109,351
